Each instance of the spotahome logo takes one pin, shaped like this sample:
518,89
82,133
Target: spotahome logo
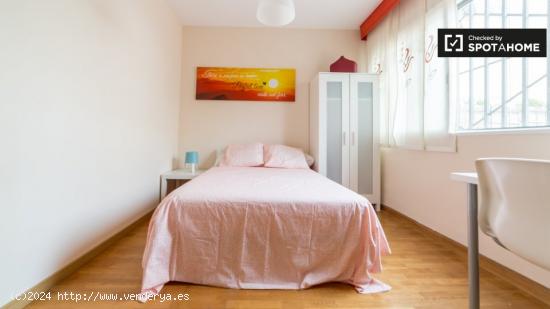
454,42
491,42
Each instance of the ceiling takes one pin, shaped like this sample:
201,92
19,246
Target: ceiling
310,14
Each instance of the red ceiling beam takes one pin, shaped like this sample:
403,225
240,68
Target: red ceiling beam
383,9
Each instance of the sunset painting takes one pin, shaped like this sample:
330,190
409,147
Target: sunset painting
246,84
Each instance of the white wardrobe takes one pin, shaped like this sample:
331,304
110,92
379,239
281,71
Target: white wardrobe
344,131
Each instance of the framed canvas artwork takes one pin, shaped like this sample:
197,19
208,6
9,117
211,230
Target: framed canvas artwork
246,84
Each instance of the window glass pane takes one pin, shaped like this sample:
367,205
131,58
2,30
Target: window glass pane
514,76
495,21
536,22
479,98
513,112
514,22
494,60
478,21
494,6
494,95
536,68
513,6
478,7
537,6
463,64
463,17
464,101
477,62
464,22
536,104
514,96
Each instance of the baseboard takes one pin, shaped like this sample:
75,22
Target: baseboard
521,282
46,284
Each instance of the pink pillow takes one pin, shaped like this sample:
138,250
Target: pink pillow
243,155
284,157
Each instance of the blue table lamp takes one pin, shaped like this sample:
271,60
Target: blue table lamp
191,160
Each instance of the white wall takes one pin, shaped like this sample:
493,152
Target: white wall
208,125
89,101
417,184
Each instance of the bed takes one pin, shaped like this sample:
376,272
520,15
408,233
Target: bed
264,228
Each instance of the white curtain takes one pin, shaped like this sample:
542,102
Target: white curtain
414,83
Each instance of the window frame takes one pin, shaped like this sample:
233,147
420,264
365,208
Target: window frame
525,85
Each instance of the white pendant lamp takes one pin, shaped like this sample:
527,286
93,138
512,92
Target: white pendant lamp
275,13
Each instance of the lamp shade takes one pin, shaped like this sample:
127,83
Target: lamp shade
191,157
275,12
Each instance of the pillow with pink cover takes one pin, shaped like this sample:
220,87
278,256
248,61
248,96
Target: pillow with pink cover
282,156
243,155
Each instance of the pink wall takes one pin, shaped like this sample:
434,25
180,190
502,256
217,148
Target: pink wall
208,125
417,184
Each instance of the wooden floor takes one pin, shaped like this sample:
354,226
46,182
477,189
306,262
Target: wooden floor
424,271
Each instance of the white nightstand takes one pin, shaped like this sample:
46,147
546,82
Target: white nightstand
171,180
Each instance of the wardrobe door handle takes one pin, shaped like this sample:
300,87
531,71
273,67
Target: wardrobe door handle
353,138
344,138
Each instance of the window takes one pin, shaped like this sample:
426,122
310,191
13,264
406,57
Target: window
499,93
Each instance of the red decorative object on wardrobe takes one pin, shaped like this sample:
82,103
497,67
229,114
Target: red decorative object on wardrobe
344,65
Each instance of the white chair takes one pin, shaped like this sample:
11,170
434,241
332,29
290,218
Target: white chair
514,206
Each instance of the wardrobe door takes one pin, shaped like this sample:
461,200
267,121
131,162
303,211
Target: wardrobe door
336,115
364,145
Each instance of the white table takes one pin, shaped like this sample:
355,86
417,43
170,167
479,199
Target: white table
473,246
179,174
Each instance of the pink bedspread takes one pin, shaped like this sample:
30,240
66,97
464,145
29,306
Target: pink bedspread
264,228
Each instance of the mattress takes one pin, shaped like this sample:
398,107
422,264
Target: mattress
264,228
